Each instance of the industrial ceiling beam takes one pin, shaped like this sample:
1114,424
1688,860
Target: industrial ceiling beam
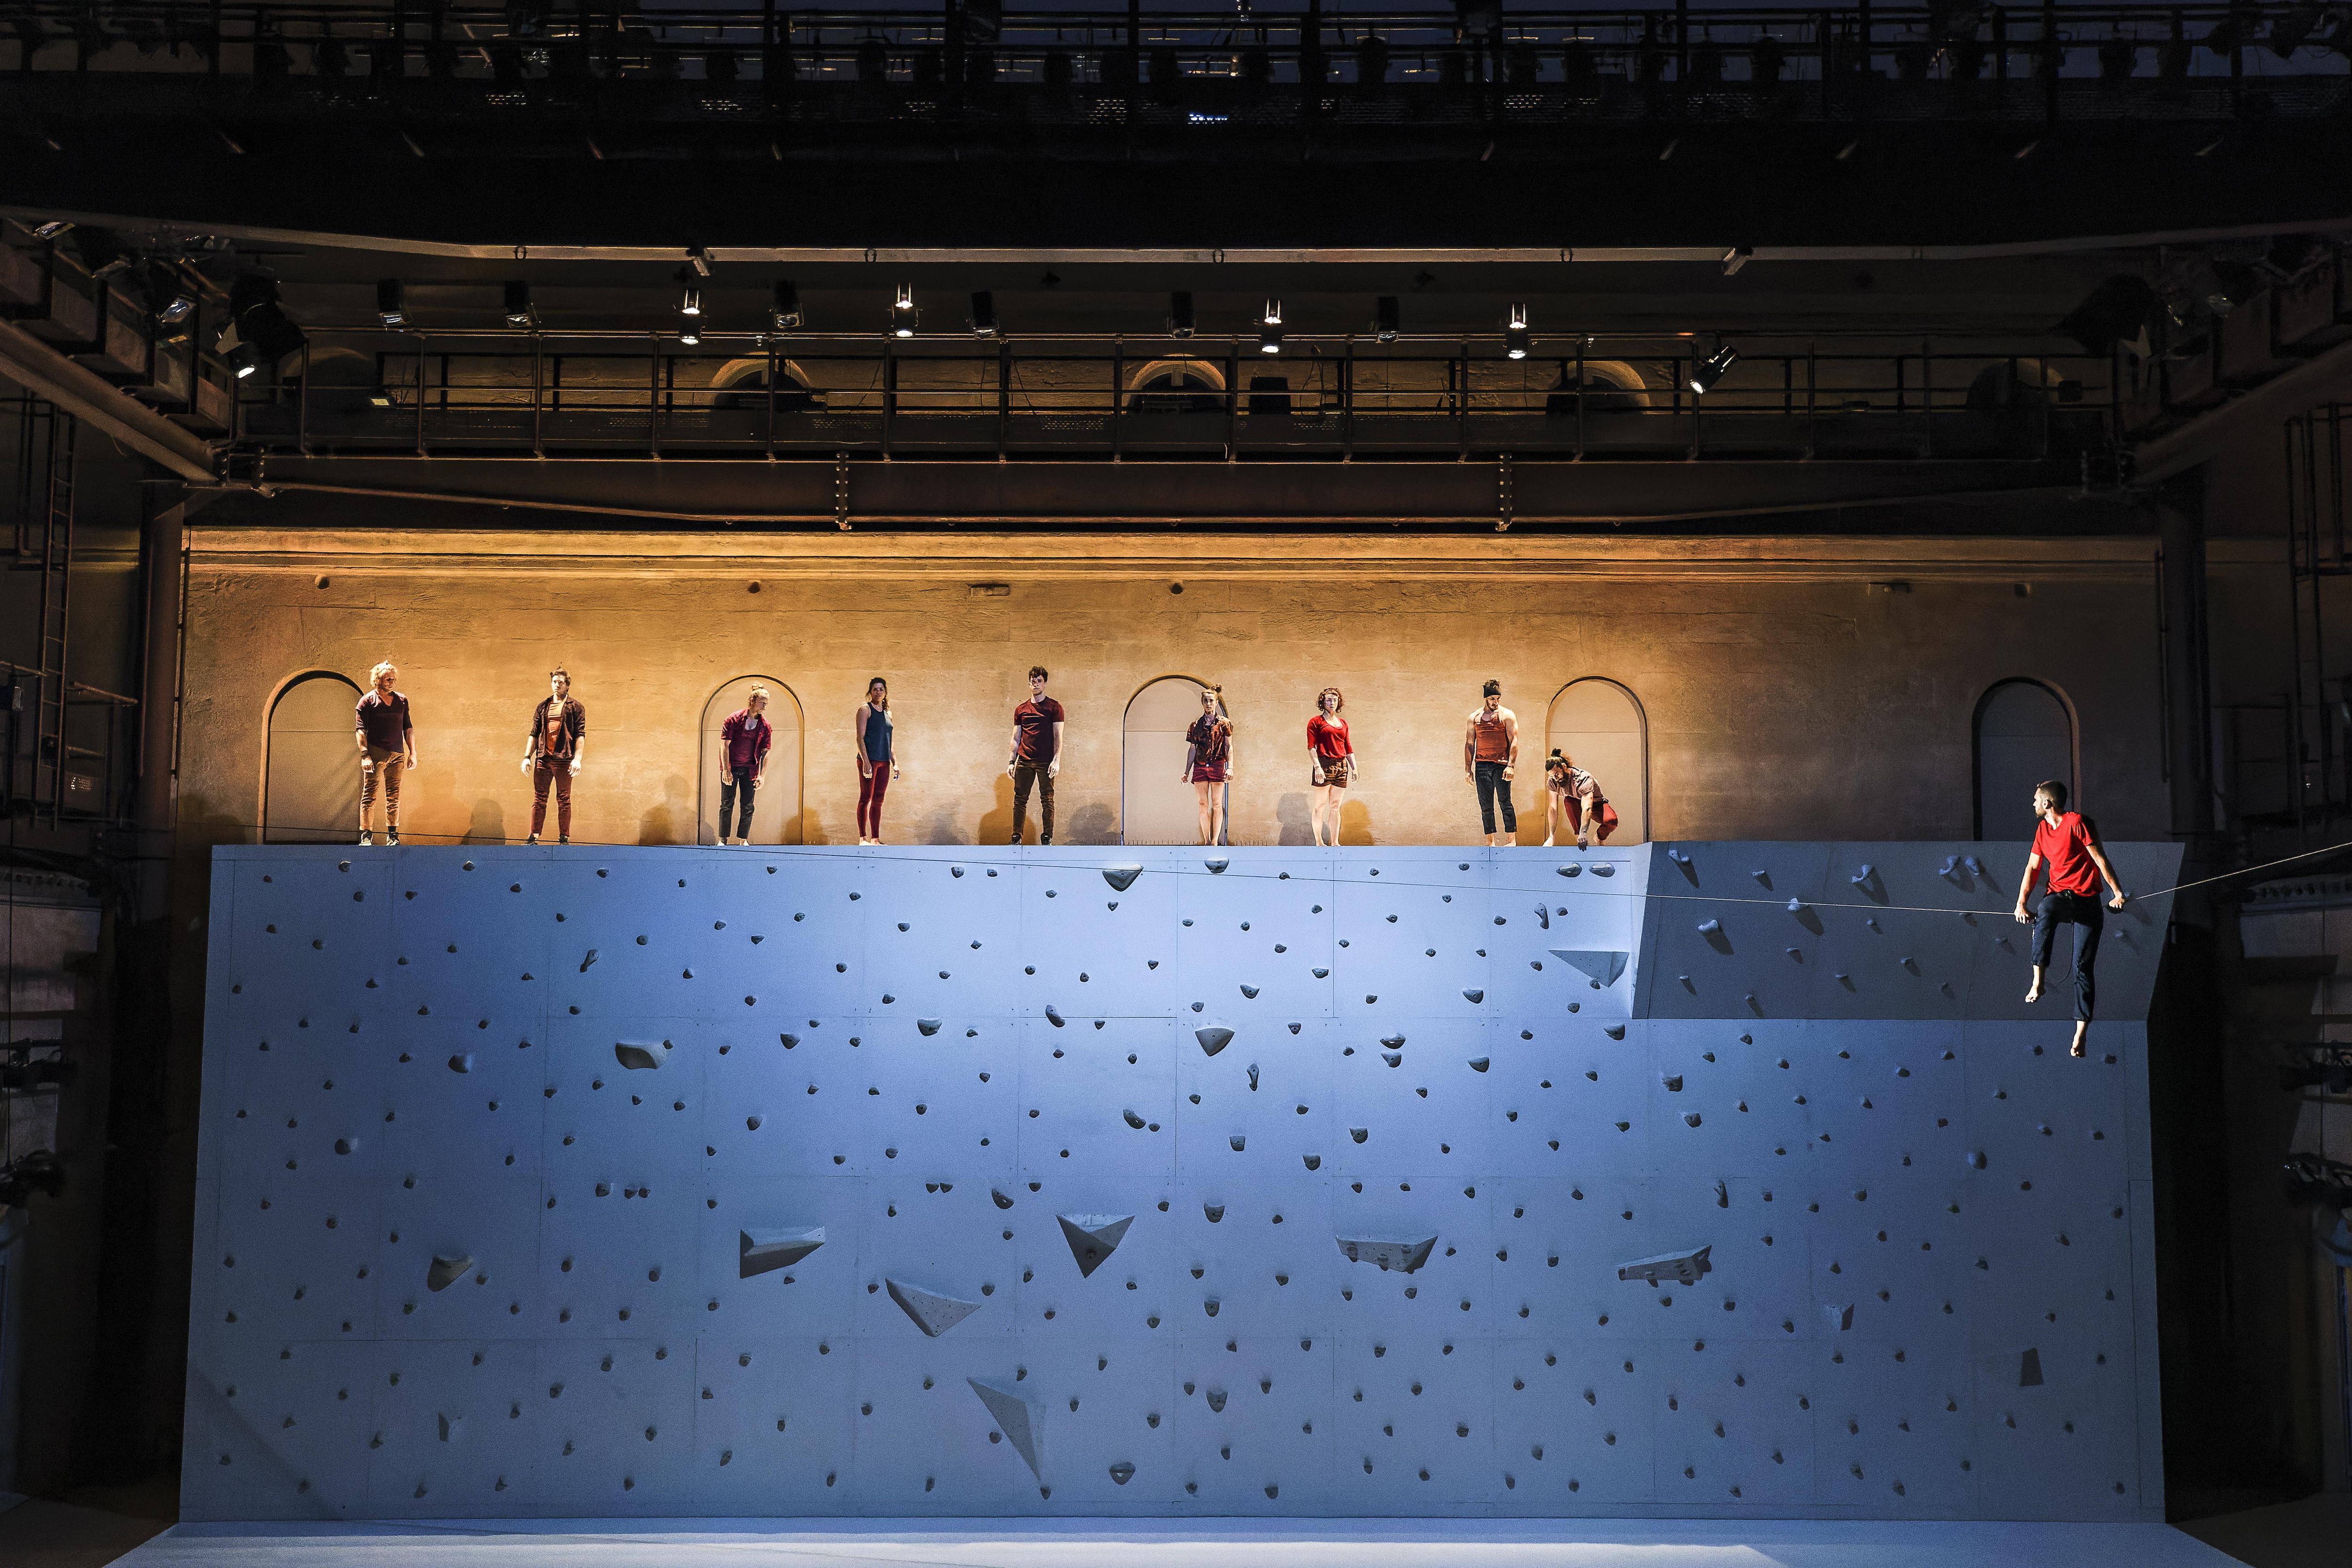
100,403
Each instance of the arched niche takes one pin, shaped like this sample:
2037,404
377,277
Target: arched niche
1600,725
1156,806
2024,733
1177,384
776,813
311,767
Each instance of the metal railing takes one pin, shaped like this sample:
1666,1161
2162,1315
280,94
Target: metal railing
1208,67
358,391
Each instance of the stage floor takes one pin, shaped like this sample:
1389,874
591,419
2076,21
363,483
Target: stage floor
1080,1543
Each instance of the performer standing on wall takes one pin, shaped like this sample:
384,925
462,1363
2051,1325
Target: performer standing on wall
877,760
2068,844
387,743
1572,794
1490,758
1209,761
1036,755
743,743
1334,759
551,753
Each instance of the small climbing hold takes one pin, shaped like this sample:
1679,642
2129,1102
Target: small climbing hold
1213,1212
1479,1064
1238,1142
1216,863
1250,992
1474,995
462,1062
1133,1120
1054,1016
927,1026
446,1271
1122,875
1359,1134
1122,1472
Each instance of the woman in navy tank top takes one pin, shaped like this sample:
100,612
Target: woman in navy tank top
877,758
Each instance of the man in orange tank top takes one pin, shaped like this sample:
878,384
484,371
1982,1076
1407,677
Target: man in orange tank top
1490,755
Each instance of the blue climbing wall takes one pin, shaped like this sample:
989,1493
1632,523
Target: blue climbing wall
1705,1179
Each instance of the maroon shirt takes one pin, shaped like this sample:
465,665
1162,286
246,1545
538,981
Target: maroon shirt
1033,722
745,735
384,720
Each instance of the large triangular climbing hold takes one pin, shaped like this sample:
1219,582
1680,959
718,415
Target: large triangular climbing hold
759,1251
1603,968
1093,1236
1213,1038
935,1315
1017,1419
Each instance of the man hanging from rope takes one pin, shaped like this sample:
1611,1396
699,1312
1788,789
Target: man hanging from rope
2068,844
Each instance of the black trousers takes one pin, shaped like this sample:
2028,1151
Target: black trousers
2082,911
741,783
1025,778
1493,787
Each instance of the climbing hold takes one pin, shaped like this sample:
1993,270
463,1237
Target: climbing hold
1213,1212
1322,973
1133,1120
1238,1142
1839,1315
1252,1077
1216,863
587,960
2029,1368
1394,1058
1016,1418
1314,1162
1479,1064
1673,1082
1614,1031
1212,1038
1216,1398
1122,875
462,1062
1405,1257
1122,1472
1054,1016
1682,1268
1093,1238
1393,1042
999,1199
1359,1134
446,1271
1602,968
636,1058
1571,870
927,1026
1975,1159
934,1314
1711,928
759,1251
1474,995
1250,992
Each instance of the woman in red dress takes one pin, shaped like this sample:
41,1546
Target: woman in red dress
1209,761
1334,764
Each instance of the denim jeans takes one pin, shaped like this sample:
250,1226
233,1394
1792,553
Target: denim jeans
741,783
2083,912
1493,787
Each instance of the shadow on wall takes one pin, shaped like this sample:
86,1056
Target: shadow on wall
1088,824
490,823
1355,823
671,822
1293,822
996,824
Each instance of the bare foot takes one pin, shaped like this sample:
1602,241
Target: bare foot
2079,1031
2033,992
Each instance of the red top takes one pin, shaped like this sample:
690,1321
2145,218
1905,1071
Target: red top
1033,722
745,735
1329,737
2065,852
1494,739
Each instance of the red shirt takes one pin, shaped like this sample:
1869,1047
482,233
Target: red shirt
745,735
1033,722
1328,736
2065,852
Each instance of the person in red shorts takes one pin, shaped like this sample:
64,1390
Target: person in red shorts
2067,843
1208,762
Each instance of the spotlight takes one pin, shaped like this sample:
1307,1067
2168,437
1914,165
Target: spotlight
1272,315
518,311
689,332
1711,369
243,360
700,260
1269,340
1388,318
182,307
389,303
53,229
171,299
784,312
1515,336
260,327
903,314
984,314
1181,321
691,304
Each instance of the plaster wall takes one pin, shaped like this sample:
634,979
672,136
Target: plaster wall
1791,686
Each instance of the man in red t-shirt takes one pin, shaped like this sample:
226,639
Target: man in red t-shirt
1037,760
2067,843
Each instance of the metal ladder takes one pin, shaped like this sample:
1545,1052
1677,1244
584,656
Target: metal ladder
55,552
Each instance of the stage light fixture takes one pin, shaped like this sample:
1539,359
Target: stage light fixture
1711,369
983,314
55,228
1388,318
691,304
1515,336
1181,320
519,312
700,260
182,307
784,312
243,360
1269,340
903,314
391,307
688,334
1272,315
260,327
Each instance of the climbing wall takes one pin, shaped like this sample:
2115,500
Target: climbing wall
1689,1180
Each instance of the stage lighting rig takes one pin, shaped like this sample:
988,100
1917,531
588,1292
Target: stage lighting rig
903,314
1388,319
390,302
1515,336
1269,336
1711,369
784,307
518,311
1181,322
984,314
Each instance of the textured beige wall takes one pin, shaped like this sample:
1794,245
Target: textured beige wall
1789,692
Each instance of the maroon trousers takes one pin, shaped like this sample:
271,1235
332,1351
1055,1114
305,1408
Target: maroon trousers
556,771
871,788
